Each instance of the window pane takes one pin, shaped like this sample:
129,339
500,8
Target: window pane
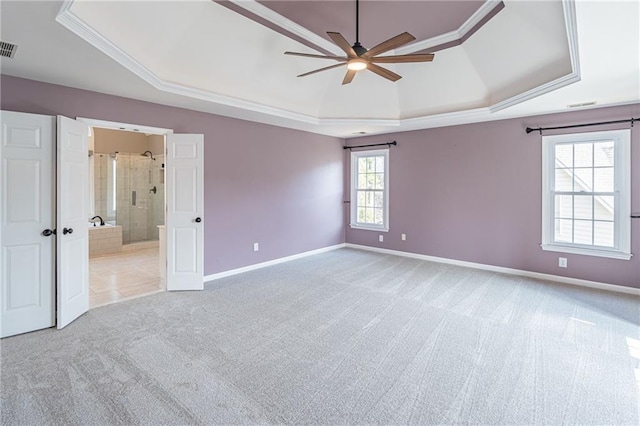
371,181
378,199
380,164
362,181
603,234
368,215
564,206
603,208
371,164
603,179
361,214
369,199
379,181
564,180
582,232
583,179
378,217
361,198
362,165
583,207
603,154
564,155
563,230
583,155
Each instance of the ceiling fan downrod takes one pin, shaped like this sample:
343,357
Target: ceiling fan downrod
357,47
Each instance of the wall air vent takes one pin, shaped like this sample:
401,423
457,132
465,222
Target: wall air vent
584,104
7,50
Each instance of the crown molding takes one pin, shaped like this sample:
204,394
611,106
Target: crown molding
287,24
344,126
480,17
76,25
569,8
456,37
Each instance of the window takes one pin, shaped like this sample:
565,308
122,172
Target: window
586,194
370,190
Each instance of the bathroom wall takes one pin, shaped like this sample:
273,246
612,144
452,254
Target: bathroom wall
107,140
156,144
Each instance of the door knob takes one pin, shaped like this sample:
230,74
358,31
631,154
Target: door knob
48,232
198,220
66,231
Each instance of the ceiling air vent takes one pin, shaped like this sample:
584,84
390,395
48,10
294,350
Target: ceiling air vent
7,50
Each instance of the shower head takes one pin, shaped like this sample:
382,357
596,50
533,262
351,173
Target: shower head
148,154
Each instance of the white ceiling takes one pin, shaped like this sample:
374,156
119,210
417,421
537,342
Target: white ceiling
203,56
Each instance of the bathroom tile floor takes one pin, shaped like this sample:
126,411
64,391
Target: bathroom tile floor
126,275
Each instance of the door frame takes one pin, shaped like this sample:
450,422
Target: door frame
114,125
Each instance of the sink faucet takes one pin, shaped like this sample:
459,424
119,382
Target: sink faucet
98,217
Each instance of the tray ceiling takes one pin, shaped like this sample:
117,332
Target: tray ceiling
228,58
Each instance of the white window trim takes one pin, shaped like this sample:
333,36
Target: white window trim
354,200
622,179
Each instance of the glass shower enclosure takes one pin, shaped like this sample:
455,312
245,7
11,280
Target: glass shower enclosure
129,191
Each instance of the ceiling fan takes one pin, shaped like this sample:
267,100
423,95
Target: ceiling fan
359,58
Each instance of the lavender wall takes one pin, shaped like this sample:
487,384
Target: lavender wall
279,187
473,193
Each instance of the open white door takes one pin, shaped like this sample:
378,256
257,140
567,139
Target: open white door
27,219
73,232
185,207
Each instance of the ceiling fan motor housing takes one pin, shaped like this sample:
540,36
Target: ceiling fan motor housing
357,47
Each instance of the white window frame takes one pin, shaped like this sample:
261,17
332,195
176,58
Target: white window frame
622,191
355,155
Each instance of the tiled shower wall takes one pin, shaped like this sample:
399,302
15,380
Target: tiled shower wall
139,218
139,210
101,173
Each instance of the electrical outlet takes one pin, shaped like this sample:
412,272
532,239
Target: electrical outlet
381,238
562,262
403,237
256,247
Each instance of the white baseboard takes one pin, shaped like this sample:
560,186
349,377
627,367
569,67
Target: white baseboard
519,272
270,263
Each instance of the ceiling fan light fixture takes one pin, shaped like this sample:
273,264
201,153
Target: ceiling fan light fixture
359,58
357,64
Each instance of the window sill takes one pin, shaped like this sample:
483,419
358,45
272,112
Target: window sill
369,228
587,252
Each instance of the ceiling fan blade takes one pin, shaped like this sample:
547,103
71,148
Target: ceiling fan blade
392,43
397,59
342,43
309,55
322,69
348,77
383,72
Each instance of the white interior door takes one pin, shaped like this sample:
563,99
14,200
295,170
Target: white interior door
185,207
72,218
27,219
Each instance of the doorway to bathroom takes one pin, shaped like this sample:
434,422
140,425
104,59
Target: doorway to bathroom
127,220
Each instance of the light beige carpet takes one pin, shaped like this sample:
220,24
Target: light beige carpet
345,337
